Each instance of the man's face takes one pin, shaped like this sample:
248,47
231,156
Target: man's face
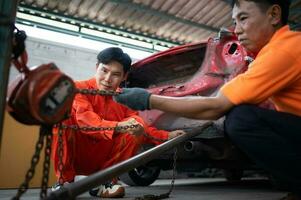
109,76
253,25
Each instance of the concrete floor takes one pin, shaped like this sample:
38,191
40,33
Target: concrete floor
188,189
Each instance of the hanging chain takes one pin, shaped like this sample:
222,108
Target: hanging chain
60,152
34,161
46,164
174,171
164,195
97,92
92,128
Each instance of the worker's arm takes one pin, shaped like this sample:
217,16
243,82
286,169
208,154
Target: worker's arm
191,107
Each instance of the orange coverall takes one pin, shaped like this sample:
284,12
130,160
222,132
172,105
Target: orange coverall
86,152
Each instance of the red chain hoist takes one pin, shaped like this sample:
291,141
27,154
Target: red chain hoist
39,95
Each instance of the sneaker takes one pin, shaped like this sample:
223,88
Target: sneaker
108,190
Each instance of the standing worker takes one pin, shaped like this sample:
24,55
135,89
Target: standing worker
271,138
87,152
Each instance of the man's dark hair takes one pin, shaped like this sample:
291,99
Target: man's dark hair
115,54
264,4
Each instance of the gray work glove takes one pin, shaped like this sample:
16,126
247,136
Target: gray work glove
134,98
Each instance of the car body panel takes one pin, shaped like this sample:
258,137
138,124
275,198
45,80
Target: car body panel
193,69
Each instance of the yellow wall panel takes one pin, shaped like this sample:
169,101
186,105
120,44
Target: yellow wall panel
17,148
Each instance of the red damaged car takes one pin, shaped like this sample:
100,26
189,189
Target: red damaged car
193,69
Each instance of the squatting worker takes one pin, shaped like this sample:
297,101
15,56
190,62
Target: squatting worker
86,152
271,138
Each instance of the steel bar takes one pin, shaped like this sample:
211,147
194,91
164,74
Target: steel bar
72,190
8,14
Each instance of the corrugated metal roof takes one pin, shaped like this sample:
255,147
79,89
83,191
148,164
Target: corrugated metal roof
180,21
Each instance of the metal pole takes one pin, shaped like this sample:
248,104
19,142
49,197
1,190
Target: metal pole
7,20
72,190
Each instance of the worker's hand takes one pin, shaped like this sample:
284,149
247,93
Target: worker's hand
137,130
134,98
175,133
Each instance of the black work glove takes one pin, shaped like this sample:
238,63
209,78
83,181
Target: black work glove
134,98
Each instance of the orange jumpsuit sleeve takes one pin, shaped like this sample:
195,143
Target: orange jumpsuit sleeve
156,133
85,116
270,72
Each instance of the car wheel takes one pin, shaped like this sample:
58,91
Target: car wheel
233,174
141,176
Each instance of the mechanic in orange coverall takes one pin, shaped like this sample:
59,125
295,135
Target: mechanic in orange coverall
86,152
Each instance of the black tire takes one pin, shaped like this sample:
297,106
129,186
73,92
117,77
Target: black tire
141,176
233,174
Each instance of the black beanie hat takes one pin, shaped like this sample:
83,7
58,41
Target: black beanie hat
115,54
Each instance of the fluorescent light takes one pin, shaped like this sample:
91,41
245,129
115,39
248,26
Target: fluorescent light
117,38
62,38
47,22
77,41
160,48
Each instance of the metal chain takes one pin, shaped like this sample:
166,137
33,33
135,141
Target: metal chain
91,128
61,127
34,161
60,152
174,172
46,164
97,92
164,195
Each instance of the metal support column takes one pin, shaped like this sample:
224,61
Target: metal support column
7,18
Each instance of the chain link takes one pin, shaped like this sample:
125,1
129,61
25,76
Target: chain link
46,164
34,161
60,152
91,128
97,92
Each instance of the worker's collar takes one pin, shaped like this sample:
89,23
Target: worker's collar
279,32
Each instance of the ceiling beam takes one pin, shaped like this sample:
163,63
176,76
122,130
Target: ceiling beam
165,15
